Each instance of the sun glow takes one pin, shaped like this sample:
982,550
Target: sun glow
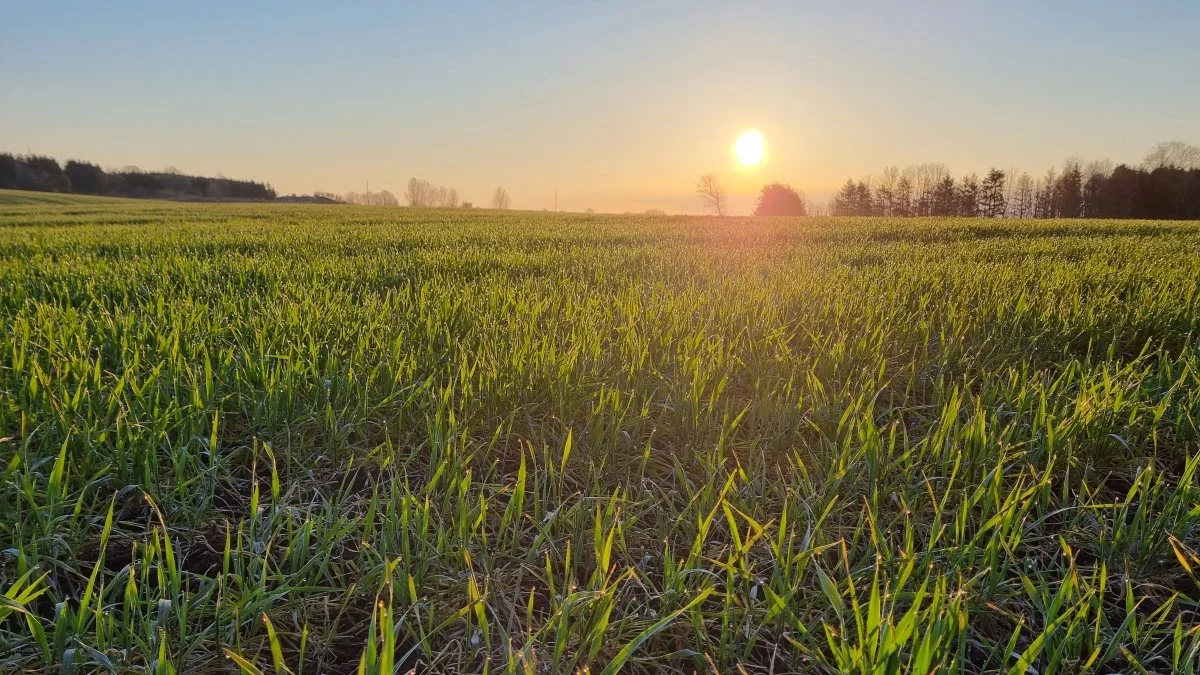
750,148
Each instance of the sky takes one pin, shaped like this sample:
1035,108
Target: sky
616,106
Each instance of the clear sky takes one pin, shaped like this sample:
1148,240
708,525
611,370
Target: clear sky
617,105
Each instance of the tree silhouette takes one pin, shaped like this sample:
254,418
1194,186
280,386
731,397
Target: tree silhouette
944,199
778,199
1173,155
423,194
862,200
843,201
1069,191
885,191
712,194
902,198
1022,202
500,199
991,194
968,196
85,178
44,174
9,171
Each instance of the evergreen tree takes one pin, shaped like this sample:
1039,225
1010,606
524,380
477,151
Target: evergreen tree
846,201
862,200
945,198
1068,192
968,196
991,194
902,201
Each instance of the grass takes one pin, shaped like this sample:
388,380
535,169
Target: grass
338,439
22,197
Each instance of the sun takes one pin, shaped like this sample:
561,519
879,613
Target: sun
750,148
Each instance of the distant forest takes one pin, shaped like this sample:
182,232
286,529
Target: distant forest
44,174
1166,186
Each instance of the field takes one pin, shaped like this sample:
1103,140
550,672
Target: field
324,439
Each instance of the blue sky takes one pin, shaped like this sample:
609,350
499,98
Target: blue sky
616,105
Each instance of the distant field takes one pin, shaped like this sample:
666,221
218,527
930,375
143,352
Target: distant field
239,436
23,198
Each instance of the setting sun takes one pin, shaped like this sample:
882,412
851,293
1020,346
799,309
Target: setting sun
750,148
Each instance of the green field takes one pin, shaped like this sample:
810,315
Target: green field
324,438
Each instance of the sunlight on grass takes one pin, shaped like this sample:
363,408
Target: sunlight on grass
341,439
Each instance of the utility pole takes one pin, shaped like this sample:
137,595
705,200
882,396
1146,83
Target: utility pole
556,200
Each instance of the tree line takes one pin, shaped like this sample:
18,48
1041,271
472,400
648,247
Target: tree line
44,174
1166,186
420,193
368,198
423,194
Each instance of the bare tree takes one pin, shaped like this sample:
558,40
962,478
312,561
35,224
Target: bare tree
1098,167
417,193
885,190
500,199
382,198
1021,204
421,193
1045,205
1173,155
925,178
1010,193
712,194
902,198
